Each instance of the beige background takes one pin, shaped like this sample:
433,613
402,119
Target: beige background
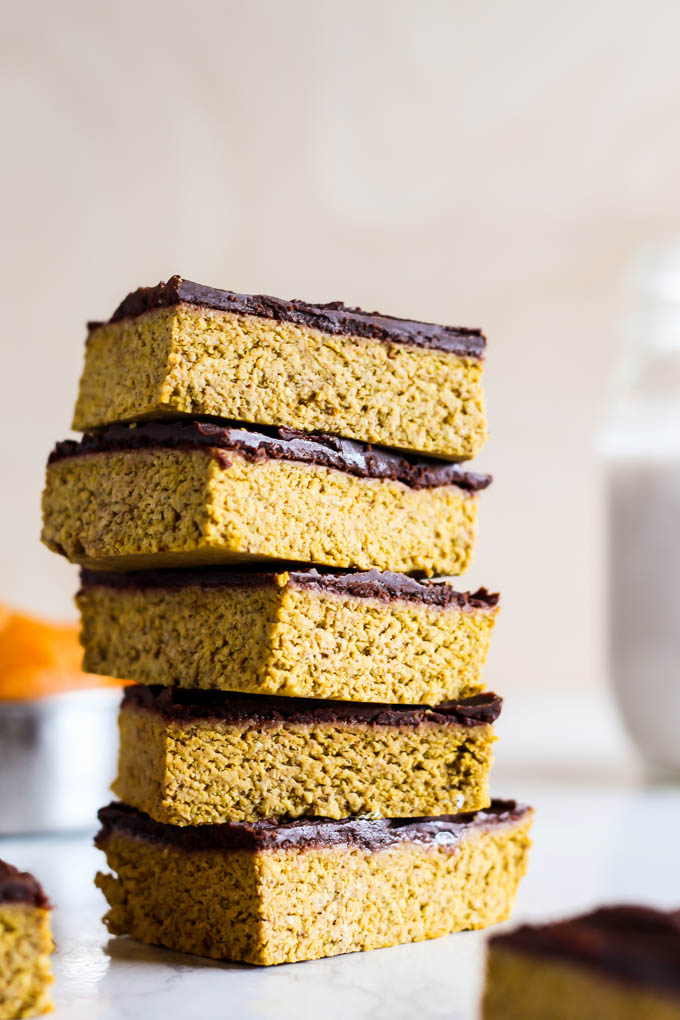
489,164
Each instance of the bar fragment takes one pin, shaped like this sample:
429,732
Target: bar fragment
371,637
184,349
198,494
621,962
270,892
199,758
25,945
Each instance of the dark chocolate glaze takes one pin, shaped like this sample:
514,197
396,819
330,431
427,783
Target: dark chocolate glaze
184,705
306,833
383,586
634,944
334,318
20,887
328,451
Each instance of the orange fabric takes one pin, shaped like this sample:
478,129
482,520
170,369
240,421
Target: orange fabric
39,658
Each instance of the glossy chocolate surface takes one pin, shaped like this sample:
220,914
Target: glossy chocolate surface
334,318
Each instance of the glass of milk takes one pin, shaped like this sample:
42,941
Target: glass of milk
640,442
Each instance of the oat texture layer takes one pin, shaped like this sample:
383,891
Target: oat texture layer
527,987
270,906
286,639
200,771
201,361
138,509
25,948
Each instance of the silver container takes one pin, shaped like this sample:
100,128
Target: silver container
57,760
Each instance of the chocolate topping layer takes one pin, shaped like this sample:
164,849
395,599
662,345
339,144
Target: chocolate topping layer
304,833
636,945
328,451
20,887
334,318
383,586
183,705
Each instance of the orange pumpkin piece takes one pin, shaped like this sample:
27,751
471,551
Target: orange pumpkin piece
38,658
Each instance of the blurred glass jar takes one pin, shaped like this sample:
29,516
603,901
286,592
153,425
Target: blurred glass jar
58,732
640,442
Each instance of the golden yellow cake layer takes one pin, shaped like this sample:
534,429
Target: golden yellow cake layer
139,509
285,638
267,904
194,360
25,948
190,759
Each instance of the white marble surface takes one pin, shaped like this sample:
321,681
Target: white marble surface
601,834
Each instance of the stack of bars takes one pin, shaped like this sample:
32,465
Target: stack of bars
262,489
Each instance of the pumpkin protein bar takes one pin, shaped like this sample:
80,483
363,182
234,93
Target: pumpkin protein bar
618,962
199,758
25,945
274,892
163,495
182,348
370,637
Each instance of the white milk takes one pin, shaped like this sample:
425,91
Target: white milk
644,602
640,444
